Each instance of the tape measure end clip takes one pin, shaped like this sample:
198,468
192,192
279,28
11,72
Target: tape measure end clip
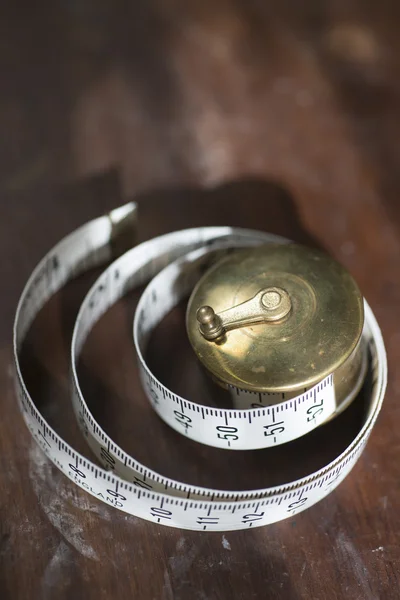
123,222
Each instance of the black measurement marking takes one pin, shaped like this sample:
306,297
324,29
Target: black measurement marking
207,521
227,433
115,494
42,435
107,458
296,504
315,410
183,420
141,484
252,517
76,470
274,429
162,513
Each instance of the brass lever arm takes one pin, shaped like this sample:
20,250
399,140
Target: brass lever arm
267,306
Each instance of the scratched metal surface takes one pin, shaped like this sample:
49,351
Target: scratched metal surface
282,116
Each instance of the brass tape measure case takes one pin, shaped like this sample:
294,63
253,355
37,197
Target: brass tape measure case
320,334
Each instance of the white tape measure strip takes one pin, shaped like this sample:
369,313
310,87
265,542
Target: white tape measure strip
247,429
137,490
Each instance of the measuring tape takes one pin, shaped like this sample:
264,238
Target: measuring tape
172,263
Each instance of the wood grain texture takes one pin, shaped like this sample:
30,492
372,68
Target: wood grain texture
282,116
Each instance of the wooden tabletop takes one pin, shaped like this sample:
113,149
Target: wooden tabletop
282,116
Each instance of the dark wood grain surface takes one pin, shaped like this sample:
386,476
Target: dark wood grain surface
282,116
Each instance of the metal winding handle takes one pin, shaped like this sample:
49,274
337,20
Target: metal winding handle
269,305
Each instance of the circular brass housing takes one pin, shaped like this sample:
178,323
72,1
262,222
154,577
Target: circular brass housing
317,333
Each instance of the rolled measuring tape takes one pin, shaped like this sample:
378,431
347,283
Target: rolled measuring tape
283,328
